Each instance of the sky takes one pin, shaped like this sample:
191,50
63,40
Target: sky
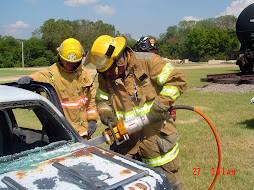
19,18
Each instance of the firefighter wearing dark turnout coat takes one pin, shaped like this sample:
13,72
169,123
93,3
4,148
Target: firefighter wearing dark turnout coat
72,83
147,44
137,83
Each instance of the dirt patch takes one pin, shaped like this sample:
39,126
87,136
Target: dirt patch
206,66
201,108
186,122
226,88
11,78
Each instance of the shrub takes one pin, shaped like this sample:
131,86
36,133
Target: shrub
7,64
41,61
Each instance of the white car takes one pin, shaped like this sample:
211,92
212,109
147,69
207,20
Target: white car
39,149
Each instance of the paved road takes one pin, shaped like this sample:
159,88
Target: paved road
93,71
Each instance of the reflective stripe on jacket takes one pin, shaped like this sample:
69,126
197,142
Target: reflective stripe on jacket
74,104
73,88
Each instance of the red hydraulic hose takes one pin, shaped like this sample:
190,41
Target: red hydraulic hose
214,132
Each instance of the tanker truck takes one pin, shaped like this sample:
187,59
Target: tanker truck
245,35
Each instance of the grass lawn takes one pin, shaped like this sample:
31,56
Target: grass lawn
234,123
15,72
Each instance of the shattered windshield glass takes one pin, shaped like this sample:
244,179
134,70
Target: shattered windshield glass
29,129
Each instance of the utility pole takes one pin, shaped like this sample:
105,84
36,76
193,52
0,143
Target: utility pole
23,65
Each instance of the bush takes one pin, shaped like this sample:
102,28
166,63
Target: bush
18,64
41,61
7,64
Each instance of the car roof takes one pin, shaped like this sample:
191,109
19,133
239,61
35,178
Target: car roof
14,94
9,93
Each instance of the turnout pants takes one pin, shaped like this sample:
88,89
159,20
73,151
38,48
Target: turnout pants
160,153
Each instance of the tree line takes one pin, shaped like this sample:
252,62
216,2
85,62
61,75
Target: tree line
194,40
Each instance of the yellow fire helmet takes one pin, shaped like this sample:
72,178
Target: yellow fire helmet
71,50
105,50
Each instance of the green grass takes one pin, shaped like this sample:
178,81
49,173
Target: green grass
234,123
23,119
194,75
232,117
15,72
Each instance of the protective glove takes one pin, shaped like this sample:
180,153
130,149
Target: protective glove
25,80
92,125
106,113
157,112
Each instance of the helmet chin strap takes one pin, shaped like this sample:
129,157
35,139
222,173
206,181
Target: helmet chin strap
59,60
77,65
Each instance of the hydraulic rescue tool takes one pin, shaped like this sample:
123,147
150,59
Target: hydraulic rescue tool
124,128
121,132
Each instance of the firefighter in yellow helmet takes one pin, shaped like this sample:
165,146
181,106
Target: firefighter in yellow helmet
74,86
137,83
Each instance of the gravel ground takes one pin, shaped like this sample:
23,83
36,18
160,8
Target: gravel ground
226,88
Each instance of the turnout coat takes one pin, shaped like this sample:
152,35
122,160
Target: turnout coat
75,91
147,77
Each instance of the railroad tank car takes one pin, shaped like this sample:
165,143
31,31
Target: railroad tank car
245,35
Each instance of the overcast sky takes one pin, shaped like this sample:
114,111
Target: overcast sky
19,18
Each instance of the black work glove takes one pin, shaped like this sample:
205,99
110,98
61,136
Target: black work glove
25,80
92,125
106,113
157,112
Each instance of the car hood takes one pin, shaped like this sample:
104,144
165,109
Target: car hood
77,166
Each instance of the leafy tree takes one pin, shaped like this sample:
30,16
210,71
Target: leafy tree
212,46
10,51
35,48
207,24
131,43
89,31
199,39
226,22
184,28
196,42
55,31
